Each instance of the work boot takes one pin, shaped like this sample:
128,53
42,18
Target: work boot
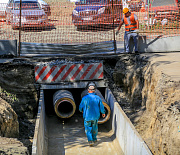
95,141
90,143
136,52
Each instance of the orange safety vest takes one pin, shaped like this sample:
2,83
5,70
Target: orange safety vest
131,26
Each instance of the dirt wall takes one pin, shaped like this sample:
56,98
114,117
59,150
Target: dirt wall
19,96
17,84
9,125
154,97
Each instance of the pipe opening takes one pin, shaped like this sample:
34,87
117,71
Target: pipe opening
64,104
65,108
70,100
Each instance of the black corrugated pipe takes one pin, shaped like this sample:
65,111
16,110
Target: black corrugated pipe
106,106
64,104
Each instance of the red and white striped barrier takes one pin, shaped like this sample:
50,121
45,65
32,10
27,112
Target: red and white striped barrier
68,72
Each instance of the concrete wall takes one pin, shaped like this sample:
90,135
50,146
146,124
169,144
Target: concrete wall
159,44
8,47
124,131
168,44
40,141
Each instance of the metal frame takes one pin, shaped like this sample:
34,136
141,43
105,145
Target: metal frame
81,84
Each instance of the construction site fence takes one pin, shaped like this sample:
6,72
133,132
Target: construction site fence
84,22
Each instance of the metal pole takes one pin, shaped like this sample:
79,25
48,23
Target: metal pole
114,27
19,48
148,14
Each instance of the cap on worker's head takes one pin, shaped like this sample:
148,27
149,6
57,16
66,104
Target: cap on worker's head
125,10
91,86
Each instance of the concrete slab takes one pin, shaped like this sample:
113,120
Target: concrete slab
120,46
159,44
68,138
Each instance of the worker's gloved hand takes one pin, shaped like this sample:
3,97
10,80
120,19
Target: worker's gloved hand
137,30
103,115
117,32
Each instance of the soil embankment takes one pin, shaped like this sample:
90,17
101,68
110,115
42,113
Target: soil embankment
152,84
18,100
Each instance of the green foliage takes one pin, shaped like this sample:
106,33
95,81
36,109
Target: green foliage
8,96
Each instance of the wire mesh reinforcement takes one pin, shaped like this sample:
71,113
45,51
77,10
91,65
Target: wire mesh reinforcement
83,22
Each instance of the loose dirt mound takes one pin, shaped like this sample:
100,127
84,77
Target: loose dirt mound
12,146
8,120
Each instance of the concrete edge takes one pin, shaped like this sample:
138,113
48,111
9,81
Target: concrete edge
133,128
39,146
124,131
159,44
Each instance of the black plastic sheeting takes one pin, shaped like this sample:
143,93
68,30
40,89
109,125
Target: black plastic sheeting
43,48
8,47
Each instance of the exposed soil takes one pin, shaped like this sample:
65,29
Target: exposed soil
17,88
147,88
152,85
146,91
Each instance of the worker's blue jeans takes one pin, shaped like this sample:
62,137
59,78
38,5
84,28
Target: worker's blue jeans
91,129
127,37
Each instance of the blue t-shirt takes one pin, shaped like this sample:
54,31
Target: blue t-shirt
91,105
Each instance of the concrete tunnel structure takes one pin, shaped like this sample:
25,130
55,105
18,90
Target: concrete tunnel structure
54,135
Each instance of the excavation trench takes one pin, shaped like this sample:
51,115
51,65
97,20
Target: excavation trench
149,80
61,131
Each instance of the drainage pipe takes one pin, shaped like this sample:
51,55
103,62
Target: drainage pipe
64,104
106,106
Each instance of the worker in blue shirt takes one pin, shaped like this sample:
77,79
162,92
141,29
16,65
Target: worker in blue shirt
91,106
